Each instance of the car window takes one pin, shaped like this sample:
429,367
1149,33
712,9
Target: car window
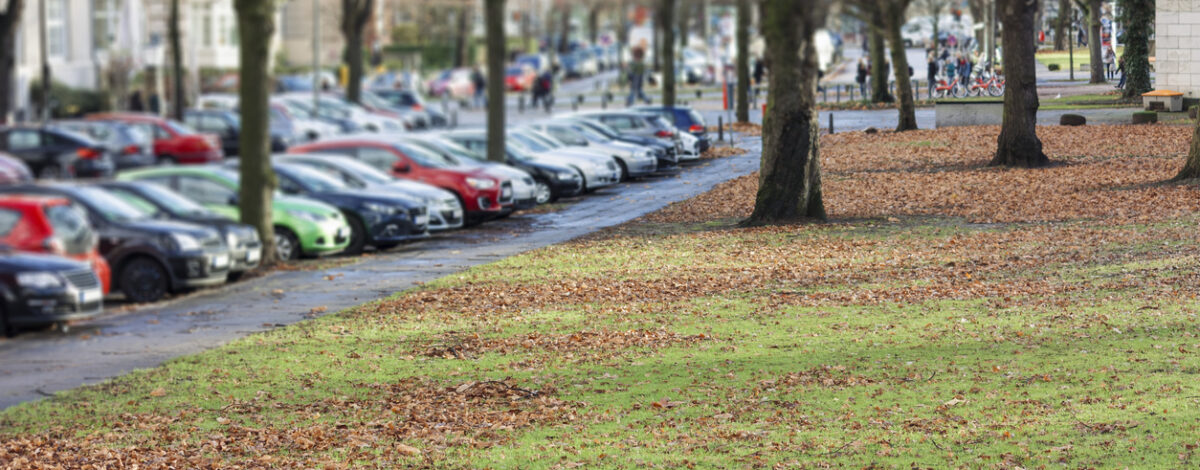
22,139
205,191
312,179
8,221
109,206
135,200
344,176
696,118
618,122
381,159
174,201
178,128
423,157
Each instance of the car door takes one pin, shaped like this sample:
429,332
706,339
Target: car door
29,146
206,191
388,161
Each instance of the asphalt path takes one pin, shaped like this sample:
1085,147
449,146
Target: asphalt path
37,364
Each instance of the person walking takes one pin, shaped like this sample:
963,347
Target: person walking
1121,70
931,70
964,68
1110,59
864,71
637,74
543,88
480,83
760,69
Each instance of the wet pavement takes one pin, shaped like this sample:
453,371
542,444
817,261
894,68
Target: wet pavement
36,364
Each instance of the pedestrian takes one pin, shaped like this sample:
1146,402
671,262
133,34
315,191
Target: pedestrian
760,69
543,88
135,101
931,69
480,84
864,71
1110,58
950,69
1121,70
964,68
636,75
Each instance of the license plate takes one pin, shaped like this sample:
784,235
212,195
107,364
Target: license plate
220,261
422,220
253,255
90,295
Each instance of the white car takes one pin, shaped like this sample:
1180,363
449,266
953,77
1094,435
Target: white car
597,170
689,146
635,160
330,107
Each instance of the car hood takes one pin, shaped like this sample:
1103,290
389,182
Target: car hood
164,227
417,188
500,170
14,262
304,204
353,197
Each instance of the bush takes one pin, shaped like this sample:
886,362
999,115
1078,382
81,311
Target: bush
1145,117
1053,67
67,102
1072,120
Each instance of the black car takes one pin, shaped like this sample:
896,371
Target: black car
57,153
148,257
129,145
38,290
227,125
245,248
685,119
409,99
379,220
553,181
668,158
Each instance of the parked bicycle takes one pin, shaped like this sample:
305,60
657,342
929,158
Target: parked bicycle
954,88
986,82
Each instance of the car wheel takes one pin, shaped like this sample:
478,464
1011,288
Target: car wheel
144,280
624,170
287,245
582,181
542,192
358,234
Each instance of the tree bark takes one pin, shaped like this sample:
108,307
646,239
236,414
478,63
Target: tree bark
462,17
743,60
702,17
667,16
593,23
564,43
622,34
979,9
879,69
1191,168
495,83
1095,48
1138,18
1060,25
178,102
789,184
894,17
1018,144
8,41
355,14
256,24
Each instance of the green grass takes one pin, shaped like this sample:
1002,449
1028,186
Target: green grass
1063,58
1102,374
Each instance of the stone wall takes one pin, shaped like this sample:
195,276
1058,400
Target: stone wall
1177,60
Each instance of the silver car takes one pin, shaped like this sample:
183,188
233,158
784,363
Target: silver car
524,188
444,209
639,123
598,171
635,160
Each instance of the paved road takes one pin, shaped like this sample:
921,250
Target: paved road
35,364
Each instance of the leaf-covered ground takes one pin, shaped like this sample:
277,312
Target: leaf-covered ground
916,329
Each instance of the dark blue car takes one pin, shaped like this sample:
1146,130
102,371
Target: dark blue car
685,119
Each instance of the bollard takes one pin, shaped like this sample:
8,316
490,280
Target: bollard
825,95
720,129
521,103
698,92
453,119
579,98
831,123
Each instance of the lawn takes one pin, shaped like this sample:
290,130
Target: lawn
949,315
1062,58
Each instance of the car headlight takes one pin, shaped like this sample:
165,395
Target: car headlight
40,280
231,239
566,175
481,183
305,215
380,208
185,242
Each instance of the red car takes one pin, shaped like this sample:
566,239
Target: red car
483,196
51,225
173,142
519,78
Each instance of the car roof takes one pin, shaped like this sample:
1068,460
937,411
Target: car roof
147,117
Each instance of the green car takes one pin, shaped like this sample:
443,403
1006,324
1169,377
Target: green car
302,226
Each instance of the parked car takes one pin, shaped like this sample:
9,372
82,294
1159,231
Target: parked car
412,119
303,110
483,196
337,108
635,160
666,152
51,225
402,98
302,226
174,142
598,170
455,83
379,220
129,146
445,211
56,153
38,290
524,189
227,126
685,119
245,248
149,257
519,78
551,180
13,170
640,124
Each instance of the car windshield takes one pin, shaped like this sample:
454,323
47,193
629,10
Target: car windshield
601,128
180,128
399,97
277,115
334,108
175,202
518,151
312,179
110,207
297,109
529,142
552,142
361,170
424,157
590,134
71,226
457,151
101,132
374,101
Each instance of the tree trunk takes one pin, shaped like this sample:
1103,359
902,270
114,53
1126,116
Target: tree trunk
702,18
526,35
682,16
1138,17
1095,49
1060,25
1018,144
894,10
622,34
879,67
979,9
8,39
789,183
743,60
355,14
564,43
177,98
667,14
460,40
593,23
495,83
1191,168
256,24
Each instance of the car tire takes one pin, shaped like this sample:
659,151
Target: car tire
358,234
582,181
386,246
624,170
144,279
287,245
543,193
235,276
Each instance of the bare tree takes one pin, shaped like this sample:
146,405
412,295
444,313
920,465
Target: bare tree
256,24
1191,168
743,60
1061,25
177,97
1138,18
355,14
666,17
462,17
495,63
1018,144
933,8
8,38
1096,55
789,183
893,14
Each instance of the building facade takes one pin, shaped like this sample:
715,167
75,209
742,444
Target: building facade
1177,45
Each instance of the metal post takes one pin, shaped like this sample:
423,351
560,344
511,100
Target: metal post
825,95
720,129
46,77
316,45
1070,42
839,93
454,119
831,122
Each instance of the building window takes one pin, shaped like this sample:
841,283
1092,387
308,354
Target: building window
56,29
104,23
222,30
206,29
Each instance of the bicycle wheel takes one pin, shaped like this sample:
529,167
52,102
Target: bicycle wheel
959,91
996,89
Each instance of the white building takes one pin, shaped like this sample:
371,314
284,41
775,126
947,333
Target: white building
1177,46
69,50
